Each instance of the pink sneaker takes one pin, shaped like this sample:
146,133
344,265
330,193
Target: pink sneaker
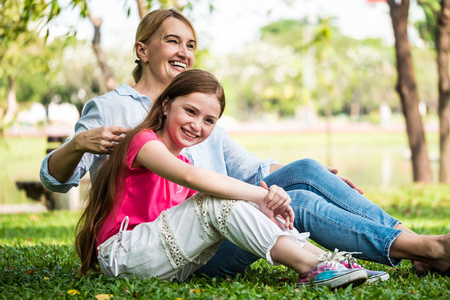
332,274
346,259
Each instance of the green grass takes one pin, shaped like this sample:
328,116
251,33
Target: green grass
37,261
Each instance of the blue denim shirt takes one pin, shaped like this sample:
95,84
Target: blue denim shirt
127,108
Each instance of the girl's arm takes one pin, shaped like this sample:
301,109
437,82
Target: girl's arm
156,157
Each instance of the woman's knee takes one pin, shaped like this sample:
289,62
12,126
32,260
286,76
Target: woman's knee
305,166
308,163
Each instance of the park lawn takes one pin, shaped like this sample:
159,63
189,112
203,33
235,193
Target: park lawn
37,261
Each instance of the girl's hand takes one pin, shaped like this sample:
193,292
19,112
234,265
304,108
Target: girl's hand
280,208
276,197
100,140
288,216
285,213
270,214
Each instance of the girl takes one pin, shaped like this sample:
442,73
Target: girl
144,217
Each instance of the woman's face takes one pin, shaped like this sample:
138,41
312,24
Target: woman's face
189,120
170,51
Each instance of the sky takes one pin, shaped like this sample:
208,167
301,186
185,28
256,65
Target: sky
236,22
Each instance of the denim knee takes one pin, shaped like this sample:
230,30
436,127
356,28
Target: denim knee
306,165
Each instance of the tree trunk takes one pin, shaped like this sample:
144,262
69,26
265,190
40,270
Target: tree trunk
12,108
110,81
142,9
407,90
442,46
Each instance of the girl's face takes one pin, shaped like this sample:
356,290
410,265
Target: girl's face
170,51
189,120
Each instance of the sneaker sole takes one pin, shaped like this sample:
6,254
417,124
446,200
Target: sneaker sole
357,277
383,277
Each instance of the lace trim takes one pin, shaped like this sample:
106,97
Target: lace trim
177,258
173,251
202,214
203,257
201,210
226,208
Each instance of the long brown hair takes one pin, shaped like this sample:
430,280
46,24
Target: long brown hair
149,25
110,176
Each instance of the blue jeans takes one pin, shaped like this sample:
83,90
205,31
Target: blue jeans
336,215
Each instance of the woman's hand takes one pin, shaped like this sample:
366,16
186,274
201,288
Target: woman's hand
346,180
100,140
63,162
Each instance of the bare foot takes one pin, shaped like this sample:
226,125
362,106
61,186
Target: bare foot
422,268
439,256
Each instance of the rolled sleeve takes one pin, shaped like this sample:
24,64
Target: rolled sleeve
52,184
90,119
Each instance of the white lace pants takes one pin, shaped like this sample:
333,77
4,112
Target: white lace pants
186,236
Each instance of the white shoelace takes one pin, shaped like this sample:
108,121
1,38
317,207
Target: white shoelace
338,257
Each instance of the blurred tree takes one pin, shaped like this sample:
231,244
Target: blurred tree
342,79
266,82
407,90
435,29
21,22
110,80
23,56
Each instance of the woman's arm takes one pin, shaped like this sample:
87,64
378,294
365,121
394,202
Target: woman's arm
63,162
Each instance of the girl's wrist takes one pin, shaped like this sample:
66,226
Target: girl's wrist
260,195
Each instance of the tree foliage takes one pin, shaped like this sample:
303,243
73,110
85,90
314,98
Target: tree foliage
427,27
272,75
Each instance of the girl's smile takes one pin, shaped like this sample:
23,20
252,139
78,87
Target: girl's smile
189,120
188,133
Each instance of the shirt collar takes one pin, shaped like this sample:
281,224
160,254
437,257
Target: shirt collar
126,90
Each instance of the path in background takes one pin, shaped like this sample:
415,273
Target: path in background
22,208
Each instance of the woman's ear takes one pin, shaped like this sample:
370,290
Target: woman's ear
141,51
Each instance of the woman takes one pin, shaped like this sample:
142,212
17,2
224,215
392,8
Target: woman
165,44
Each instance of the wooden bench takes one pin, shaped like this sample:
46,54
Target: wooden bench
35,189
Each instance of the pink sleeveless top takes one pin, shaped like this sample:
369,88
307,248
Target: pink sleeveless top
145,194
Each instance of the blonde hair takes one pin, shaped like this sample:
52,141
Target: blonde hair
150,25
